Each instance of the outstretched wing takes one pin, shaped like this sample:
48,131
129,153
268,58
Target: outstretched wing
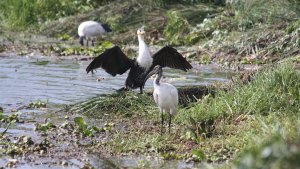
170,57
113,61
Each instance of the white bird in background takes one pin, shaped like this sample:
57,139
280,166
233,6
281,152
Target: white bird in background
165,96
90,30
114,62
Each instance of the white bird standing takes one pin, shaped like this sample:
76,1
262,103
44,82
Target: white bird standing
165,96
114,62
90,30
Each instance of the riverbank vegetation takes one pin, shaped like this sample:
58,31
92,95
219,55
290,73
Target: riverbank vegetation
236,124
226,32
247,124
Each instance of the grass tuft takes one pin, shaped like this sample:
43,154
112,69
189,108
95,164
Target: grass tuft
273,90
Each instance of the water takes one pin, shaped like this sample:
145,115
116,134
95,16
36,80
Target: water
25,79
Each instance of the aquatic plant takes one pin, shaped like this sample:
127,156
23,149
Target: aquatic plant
37,104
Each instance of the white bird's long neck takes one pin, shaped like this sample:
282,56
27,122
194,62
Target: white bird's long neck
144,58
156,81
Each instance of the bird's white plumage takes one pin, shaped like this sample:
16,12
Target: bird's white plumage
90,29
166,97
144,58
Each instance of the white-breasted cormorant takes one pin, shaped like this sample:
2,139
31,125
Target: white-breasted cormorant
114,62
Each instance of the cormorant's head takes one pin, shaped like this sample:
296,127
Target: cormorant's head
141,31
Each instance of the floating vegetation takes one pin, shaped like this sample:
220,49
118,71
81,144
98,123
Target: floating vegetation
37,104
84,129
64,37
64,50
44,127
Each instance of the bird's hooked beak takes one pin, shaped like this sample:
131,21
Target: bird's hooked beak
81,40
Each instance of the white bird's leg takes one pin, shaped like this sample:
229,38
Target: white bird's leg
162,122
170,118
87,42
141,90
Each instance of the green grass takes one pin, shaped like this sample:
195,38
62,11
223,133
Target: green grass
123,103
247,115
216,128
274,90
27,14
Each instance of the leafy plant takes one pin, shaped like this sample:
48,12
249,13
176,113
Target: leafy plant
198,155
44,127
37,104
273,90
275,153
28,13
64,37
176,29
86,130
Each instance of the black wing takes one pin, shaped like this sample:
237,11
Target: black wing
170,57
113,61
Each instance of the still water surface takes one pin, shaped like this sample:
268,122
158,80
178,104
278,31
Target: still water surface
65,81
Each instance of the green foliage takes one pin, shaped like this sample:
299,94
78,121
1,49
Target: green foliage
198,155
44,127
274,90
171,156
125,103
266,10
242,16
64,37
294,26
275,153
18,13
85,129
37,104
176,29
11,118
63,50
28,13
